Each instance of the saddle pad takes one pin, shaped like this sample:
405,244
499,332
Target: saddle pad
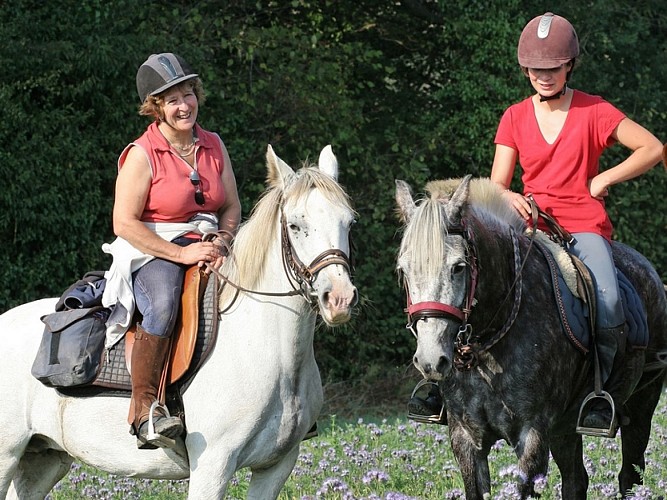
114,378
635,314
574,315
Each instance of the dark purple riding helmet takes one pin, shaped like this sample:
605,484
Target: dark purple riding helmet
160,72
547,41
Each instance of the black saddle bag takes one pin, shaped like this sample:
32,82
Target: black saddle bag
71,349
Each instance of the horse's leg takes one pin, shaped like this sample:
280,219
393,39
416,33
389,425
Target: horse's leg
211,467
473,463
13,444
567,451
533,454
635,435
38,473
267,483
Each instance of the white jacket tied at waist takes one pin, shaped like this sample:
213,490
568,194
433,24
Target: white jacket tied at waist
119,294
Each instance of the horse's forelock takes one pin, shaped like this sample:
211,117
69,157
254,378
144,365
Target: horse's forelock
310,177
424,238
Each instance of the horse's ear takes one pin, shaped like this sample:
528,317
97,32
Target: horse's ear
277,170
454,209
406,205
328,162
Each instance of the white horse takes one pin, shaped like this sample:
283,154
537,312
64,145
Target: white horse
254,399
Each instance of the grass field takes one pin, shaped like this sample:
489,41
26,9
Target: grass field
385,457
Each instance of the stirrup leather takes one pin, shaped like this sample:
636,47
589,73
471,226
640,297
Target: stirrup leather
436,418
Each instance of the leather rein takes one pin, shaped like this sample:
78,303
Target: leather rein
301,276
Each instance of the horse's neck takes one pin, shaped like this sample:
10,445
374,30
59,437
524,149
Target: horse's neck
283,325
496,262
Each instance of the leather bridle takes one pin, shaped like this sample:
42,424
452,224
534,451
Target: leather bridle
301,276
430,309
304,276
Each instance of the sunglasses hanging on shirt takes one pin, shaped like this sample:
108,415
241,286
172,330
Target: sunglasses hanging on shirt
196,182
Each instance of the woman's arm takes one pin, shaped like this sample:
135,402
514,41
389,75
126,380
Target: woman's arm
229,213
502,172
646,151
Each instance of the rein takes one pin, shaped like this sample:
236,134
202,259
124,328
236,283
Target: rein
296,271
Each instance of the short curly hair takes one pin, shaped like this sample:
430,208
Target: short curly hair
152,106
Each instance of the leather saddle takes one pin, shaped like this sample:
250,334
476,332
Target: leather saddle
185,330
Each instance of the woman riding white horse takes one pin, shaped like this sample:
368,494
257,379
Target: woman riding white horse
253,400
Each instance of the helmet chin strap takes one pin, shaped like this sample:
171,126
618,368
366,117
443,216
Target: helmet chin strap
555,96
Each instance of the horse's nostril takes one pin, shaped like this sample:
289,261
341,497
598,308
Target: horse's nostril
442,364
355,298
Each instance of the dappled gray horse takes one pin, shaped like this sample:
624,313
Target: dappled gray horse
482,307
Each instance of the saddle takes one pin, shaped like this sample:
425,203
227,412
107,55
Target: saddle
193,338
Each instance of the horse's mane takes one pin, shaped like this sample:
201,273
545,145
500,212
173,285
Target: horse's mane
255,236
424,236
485,198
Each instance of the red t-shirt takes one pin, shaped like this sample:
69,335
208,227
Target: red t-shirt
557,174
172,196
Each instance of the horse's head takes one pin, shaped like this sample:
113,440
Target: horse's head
316,217
435,262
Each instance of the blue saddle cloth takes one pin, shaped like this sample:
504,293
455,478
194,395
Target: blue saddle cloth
575,314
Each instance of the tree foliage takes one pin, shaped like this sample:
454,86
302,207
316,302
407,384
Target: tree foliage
411,89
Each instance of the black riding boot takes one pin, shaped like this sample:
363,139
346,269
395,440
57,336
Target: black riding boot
430,409
610,343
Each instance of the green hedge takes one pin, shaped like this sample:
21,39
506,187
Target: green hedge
410,90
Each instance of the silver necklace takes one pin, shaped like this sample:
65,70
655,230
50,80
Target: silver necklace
187,149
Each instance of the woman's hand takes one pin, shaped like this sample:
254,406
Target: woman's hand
199,253
519,203
598,188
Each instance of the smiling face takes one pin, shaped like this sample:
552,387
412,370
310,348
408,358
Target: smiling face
180,107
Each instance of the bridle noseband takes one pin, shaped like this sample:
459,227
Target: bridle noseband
430,309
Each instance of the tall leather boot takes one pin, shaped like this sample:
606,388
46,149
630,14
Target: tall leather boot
610,343
149,356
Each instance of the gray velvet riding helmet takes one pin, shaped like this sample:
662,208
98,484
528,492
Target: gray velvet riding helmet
160,72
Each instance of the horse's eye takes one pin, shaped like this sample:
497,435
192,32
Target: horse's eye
294,227
459,268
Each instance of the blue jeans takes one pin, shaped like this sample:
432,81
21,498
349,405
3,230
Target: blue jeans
157,292
595,252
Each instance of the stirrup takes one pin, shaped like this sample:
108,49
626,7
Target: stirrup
436,418
153,437
595,431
